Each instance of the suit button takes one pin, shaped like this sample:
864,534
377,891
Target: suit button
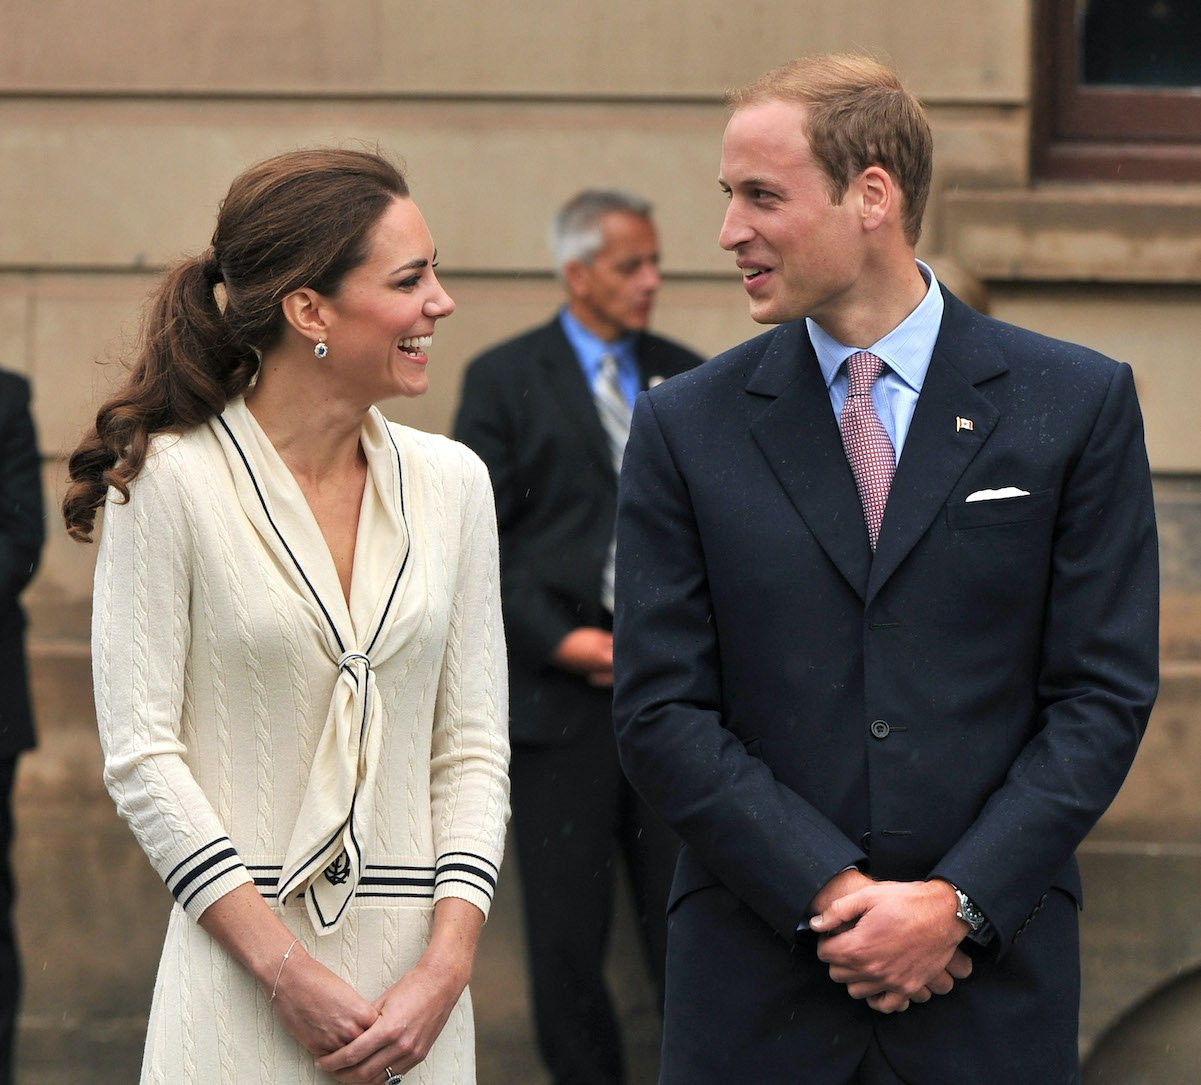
880,728
865,842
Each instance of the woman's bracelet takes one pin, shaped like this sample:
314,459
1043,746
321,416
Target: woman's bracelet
287,954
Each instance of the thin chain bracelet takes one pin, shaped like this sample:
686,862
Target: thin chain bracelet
287,954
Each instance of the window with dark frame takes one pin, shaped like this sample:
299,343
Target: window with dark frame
1117,90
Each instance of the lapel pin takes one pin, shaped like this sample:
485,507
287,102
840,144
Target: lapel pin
963,423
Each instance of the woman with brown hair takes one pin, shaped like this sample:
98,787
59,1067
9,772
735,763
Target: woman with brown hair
297,643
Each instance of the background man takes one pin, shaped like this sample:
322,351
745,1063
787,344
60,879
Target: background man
886,630
21,534
549,413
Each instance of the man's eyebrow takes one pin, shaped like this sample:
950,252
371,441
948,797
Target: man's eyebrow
749,182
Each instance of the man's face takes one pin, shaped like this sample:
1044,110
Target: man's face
800,254
614,294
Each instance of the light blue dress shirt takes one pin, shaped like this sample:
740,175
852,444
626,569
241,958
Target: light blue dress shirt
591,350
905,351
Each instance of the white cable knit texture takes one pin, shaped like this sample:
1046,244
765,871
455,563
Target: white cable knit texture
213,682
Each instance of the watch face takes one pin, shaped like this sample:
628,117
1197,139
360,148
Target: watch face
968,911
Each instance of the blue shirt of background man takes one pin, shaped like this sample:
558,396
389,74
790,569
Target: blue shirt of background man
591,350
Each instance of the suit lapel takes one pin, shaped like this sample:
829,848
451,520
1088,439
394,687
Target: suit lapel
567,384
799,437
938,449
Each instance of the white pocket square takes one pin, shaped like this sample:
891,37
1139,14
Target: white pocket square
997,495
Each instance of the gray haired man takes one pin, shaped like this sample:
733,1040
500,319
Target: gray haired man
549,411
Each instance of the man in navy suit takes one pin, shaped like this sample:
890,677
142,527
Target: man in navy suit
21,533
886,630
548,412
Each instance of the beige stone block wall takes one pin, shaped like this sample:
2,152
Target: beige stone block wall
1145,233
487,175
1145,326
14,344
545,48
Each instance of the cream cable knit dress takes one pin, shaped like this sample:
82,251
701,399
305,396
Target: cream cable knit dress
224,653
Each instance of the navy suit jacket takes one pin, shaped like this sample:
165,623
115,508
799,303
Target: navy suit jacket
21,533
527,411
963,704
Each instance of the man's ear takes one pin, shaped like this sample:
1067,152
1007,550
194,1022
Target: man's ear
879,196
305,309
575,277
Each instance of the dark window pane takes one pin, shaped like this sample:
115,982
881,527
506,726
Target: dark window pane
1140,43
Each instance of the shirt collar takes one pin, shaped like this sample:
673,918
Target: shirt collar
590,348
906,350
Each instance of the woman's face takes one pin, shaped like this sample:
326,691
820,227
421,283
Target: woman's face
381,321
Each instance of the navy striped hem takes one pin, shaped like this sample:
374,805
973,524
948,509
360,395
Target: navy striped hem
377,881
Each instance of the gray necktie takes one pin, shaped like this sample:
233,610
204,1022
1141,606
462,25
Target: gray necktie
614,414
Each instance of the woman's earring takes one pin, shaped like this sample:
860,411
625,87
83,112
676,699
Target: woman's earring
321,350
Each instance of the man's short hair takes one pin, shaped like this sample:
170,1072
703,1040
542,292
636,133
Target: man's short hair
575,232
858,114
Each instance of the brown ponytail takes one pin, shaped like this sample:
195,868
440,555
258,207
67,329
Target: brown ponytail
300,219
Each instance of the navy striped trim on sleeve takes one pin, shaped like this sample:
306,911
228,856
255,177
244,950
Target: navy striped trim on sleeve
191,876
467,868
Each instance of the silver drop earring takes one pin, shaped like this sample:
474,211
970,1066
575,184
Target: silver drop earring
321,350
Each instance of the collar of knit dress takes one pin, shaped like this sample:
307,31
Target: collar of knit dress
334,832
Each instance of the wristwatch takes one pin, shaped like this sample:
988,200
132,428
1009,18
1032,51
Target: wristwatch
966,910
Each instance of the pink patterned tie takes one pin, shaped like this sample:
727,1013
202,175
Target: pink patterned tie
868,448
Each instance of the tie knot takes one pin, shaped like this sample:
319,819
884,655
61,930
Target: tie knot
351,660
863,370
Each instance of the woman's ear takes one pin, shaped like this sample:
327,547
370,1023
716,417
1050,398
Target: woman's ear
304,309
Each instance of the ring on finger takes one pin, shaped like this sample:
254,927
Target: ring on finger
393,1077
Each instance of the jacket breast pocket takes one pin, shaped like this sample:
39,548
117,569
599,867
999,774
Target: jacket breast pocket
965,515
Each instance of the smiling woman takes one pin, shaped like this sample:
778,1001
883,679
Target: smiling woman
380,320
297,646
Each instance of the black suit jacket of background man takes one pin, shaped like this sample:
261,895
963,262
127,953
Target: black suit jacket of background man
963,704
21,534
527,410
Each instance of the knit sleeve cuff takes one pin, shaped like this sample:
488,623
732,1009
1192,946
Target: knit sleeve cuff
468,875
199,876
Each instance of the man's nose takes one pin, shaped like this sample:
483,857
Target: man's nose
734,230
